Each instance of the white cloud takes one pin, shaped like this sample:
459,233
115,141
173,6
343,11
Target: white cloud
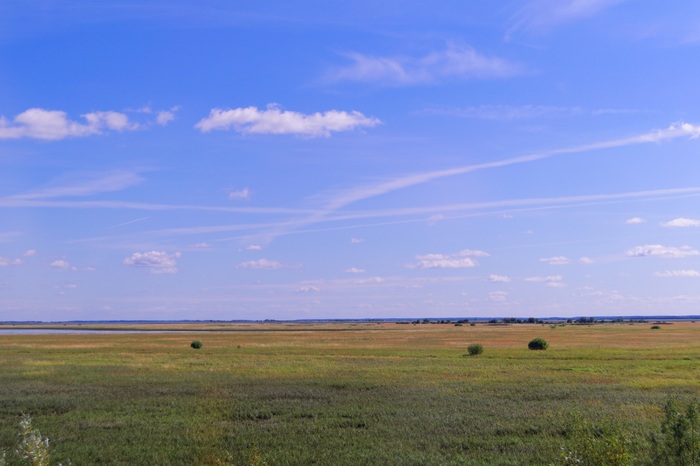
308,289
356,240
156,261
60,264
498,279
50,125
677,273
6,261
556,260
202,245
454,62
552,281
240,195
460,260
250,120
253,247
355,270
681,223
364,281
635,221
498,296
586,260
164,117
261,264
657,250
29,253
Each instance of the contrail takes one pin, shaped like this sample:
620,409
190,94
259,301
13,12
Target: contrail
131,221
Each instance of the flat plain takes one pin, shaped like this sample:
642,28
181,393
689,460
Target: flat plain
340,393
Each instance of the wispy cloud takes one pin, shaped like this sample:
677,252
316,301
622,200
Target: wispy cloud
163,117
498,296
635,221
657,250
334,200
60,264
681,223
273,120
82,185
240,195
262,264
308,289
541,15
454,62
522,112
498,279
355,270
6,261
556,260
552,281
678,273
157,262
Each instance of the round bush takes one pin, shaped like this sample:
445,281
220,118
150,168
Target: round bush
655,327
538,344
475,349
196,344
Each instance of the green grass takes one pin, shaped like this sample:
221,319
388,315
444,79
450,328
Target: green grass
371,394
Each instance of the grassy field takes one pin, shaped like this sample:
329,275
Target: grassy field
339,394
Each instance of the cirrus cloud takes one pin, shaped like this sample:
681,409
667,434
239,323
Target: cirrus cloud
273,120
454,62
677,273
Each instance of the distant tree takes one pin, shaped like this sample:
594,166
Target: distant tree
475,349
538,344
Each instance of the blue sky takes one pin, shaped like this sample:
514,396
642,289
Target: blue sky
277,160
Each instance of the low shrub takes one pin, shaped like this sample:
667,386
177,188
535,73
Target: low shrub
196,344
33,448
538,344
604,443
655,327
678,443
475,349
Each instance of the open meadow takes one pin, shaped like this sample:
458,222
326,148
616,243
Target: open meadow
334,394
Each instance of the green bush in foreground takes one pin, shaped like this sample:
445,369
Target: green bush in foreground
196,344
679,440
33,449
655,327
475,349
538,344
596,445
